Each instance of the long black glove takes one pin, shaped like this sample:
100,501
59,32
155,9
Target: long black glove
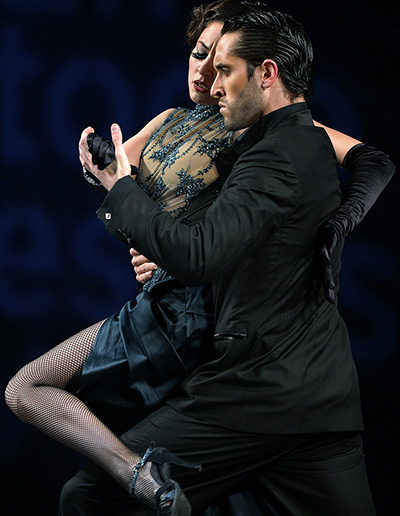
103,154
371,171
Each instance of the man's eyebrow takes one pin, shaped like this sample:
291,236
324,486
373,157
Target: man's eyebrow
221,66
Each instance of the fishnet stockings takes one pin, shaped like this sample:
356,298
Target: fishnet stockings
147,484
39,394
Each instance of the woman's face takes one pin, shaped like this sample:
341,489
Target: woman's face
201,70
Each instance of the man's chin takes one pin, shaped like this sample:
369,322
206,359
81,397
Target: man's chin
230,125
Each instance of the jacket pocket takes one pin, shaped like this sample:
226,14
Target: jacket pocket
230,349
229,336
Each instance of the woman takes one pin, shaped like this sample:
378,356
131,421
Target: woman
43,393
118,366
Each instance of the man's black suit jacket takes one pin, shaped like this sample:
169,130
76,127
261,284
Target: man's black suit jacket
282,358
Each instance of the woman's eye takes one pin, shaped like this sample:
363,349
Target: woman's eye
199,55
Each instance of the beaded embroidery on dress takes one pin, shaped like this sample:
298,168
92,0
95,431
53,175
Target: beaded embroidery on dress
179,161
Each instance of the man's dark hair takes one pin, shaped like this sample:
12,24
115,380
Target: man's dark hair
266,34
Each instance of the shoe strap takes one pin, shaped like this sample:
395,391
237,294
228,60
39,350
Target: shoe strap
139,465
169,486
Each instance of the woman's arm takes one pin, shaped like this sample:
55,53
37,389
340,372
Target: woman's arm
371,170
340,141
134,146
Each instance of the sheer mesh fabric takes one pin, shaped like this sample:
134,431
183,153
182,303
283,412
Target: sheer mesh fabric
147,484
41,394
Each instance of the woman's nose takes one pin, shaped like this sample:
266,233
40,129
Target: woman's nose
206,68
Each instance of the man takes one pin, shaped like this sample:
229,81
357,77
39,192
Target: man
278,407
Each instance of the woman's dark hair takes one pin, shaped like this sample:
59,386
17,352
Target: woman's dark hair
277,36
222,10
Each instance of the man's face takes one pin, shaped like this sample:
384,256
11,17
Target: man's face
240,98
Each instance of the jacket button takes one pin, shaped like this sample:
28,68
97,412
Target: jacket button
107,216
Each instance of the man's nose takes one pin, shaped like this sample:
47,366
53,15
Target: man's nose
216,90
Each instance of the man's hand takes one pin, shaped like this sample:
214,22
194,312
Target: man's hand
143,267
109,176
123,165
86,158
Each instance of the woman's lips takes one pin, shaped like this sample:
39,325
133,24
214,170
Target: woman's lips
200,87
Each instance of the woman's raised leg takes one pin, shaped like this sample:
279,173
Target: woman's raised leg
41,394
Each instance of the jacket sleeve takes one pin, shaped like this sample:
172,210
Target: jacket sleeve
254,202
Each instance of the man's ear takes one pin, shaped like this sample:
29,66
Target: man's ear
269,73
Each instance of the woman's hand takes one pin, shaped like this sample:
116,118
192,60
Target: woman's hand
142,266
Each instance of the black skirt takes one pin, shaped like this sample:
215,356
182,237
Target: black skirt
142,353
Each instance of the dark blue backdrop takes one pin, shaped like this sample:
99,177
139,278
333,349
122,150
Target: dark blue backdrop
71,63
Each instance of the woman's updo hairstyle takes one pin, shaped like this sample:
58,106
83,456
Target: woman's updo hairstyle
221,10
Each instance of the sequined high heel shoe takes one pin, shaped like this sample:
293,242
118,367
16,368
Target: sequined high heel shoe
169,499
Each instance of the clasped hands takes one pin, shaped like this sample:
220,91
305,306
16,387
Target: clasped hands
110,173
109,165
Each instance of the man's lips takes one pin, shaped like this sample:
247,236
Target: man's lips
201,87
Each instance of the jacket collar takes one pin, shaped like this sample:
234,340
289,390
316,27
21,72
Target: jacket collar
256,132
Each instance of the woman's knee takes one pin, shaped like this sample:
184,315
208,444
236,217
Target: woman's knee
19,395
12,394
